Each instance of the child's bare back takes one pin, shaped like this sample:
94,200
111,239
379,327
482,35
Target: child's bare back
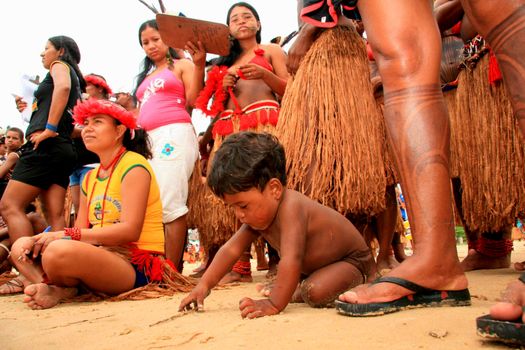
328,236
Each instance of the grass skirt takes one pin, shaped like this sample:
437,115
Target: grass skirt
333,130
490,150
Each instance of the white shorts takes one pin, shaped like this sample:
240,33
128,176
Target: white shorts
175,151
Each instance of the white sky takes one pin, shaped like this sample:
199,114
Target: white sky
106,32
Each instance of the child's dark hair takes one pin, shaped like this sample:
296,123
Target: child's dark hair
147,63
246,160
235,47
18,131
71,55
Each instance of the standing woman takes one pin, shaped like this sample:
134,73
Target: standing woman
166,89
246,87
48,157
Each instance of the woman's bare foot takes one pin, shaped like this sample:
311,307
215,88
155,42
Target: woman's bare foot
13,286
233,276
416,269
477,261
42,296
511,307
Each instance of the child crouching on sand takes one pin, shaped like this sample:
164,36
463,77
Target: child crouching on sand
322,253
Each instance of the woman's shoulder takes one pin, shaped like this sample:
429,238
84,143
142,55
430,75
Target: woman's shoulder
271,48
59,63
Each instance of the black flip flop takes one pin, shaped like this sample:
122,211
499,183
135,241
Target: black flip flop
510,332
422,297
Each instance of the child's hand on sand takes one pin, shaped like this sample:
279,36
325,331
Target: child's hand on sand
194,300
256,308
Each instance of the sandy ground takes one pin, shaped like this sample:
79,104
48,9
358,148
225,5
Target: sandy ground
156,324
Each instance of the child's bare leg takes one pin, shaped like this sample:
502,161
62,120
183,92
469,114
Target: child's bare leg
241,271
399,247
323,286
386,223
262,262
273,262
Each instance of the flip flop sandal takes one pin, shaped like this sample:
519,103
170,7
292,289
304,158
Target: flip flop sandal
14,286
510,332
422,297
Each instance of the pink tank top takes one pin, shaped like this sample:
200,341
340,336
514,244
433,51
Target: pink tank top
162,101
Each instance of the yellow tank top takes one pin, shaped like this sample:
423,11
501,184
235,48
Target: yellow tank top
152,235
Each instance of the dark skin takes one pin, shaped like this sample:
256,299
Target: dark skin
311,239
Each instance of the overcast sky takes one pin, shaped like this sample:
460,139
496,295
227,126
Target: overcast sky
106,32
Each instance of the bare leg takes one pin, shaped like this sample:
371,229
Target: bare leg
323,286
418,129
386,224
75,197
175,233
262,262
69,263
16,198
53,200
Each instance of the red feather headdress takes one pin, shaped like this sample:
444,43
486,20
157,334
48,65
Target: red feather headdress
98,81
93,107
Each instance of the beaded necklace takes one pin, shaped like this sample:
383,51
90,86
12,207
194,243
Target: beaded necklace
110,167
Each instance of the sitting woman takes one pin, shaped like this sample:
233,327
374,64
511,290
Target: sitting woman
117,243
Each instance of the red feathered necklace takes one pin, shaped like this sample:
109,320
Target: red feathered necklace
213,88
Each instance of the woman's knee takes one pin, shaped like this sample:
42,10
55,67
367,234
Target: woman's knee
17,247
57,256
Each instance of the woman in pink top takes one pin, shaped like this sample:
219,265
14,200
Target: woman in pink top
166,89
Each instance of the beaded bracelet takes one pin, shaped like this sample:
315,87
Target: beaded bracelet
73,232
52,127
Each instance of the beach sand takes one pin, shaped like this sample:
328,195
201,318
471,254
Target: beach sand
156,324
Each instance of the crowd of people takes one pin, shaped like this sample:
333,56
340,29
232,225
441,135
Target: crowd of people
303,158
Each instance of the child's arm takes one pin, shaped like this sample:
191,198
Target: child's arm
293,242
222,263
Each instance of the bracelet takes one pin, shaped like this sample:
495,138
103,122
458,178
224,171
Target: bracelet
73,232
52,127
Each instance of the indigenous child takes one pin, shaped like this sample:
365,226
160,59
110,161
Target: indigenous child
14,139
117,243
321,252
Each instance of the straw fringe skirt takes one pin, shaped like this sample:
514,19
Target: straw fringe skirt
332,128
490,151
